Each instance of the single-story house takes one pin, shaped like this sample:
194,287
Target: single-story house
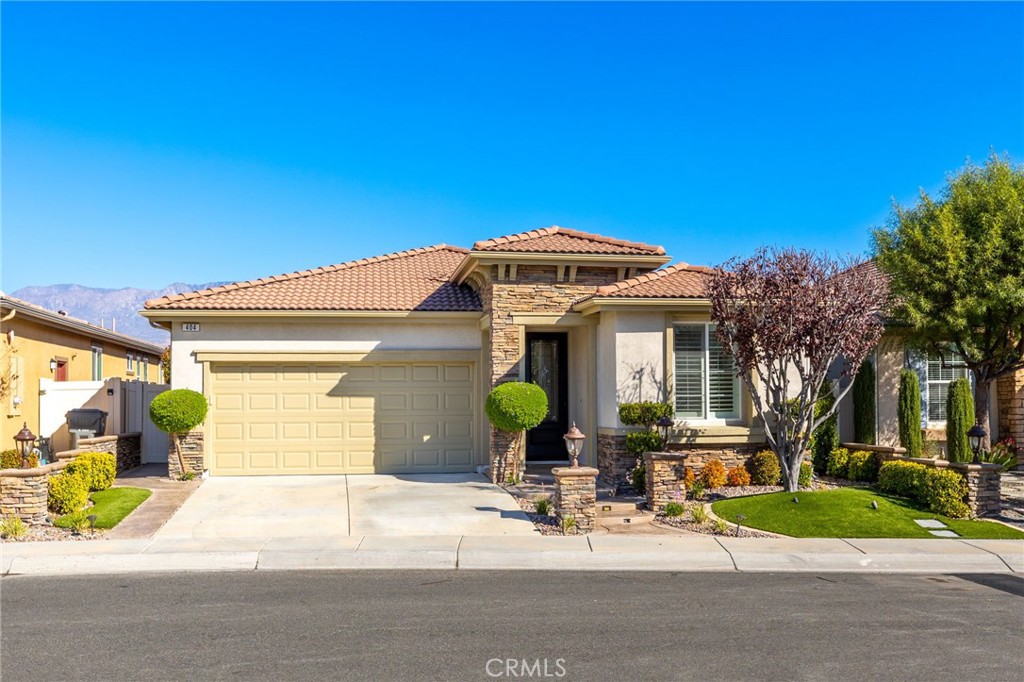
40,344
382,365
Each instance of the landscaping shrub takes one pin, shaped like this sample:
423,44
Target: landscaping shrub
639,442
643,413
838,463
10,459
97,469
862,466
1003,453
959,420
542,507
713,474
737,476
699,513
67,493
12,527
864,405
909,413
697,490
825,438
688,478
638,479
944,491
179,410
901,478
764,468
674,509
805,475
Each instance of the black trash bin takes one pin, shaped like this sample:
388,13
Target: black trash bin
85,422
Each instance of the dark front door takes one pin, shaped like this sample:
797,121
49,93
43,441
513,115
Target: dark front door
548,367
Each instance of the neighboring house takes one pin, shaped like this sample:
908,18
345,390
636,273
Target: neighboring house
383,364
42,344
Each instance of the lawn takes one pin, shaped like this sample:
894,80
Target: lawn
110,506
847,513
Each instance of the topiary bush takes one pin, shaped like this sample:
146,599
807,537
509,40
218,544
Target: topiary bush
959,420
178,411
901,478
764,468
643,413
96,469
713,474
909,413
67,493
10,459
862,466
639,442
804,480
944,491
737,476
838,463
864,405
825,438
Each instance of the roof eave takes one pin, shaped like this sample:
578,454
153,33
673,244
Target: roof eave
158,314
53,319
611,260
597,304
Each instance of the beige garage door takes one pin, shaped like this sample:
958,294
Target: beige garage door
341,418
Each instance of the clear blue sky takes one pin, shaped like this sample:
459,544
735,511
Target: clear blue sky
150,143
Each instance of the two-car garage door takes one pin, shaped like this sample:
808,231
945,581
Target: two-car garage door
314,418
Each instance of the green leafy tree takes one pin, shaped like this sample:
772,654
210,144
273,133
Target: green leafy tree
909,413
864,405
956,269
959,419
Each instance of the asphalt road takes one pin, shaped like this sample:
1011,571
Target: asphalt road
441,625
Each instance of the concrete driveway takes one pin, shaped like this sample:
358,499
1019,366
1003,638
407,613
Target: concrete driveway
333,506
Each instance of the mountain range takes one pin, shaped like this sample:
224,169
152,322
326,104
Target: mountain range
116,309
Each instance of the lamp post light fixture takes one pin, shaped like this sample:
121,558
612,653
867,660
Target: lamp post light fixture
574,444
24,439
53,365
664,424
976,435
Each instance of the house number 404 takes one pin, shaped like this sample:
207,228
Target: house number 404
189,326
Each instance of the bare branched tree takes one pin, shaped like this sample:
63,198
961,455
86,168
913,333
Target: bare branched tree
788,316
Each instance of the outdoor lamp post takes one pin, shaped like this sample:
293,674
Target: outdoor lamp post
574,444
24,440
976,435
664,424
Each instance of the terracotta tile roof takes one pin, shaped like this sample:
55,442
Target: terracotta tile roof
417,279
675,281
563,240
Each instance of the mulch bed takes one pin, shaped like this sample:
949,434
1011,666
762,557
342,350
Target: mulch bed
709,527
547,524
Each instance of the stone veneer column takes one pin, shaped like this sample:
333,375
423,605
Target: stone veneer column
576,495
982,487
1010,399
613,460
24,493
192,451
664,472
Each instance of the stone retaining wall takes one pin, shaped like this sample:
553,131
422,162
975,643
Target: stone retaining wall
576,496
126,447
730,455
664,473
24,492
613,461
192,451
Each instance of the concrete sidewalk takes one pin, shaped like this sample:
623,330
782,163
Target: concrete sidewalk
579,553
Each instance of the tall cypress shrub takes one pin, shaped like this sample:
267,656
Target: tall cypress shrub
826,437
909,413
864,405
959,419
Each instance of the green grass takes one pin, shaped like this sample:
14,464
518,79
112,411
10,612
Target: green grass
110,506
847,513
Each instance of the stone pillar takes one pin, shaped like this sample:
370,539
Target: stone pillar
192,452
24,493
1010,399
982,487
576,495
504,456
665,472
613,460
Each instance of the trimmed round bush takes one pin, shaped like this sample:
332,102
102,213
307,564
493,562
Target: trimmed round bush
67,493
639,442
179,410
862,466
804,479
838,463
713,474
764,468
737,476
901,478
516,406
644,413
944,491
96,469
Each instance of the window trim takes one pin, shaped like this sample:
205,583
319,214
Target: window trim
736,417
129,363
928,381
97,362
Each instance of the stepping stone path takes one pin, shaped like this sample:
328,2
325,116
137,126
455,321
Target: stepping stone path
945,532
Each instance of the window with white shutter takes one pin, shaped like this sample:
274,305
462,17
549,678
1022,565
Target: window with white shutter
706,385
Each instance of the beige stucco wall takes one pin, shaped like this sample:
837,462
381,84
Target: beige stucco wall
289,336
630,362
